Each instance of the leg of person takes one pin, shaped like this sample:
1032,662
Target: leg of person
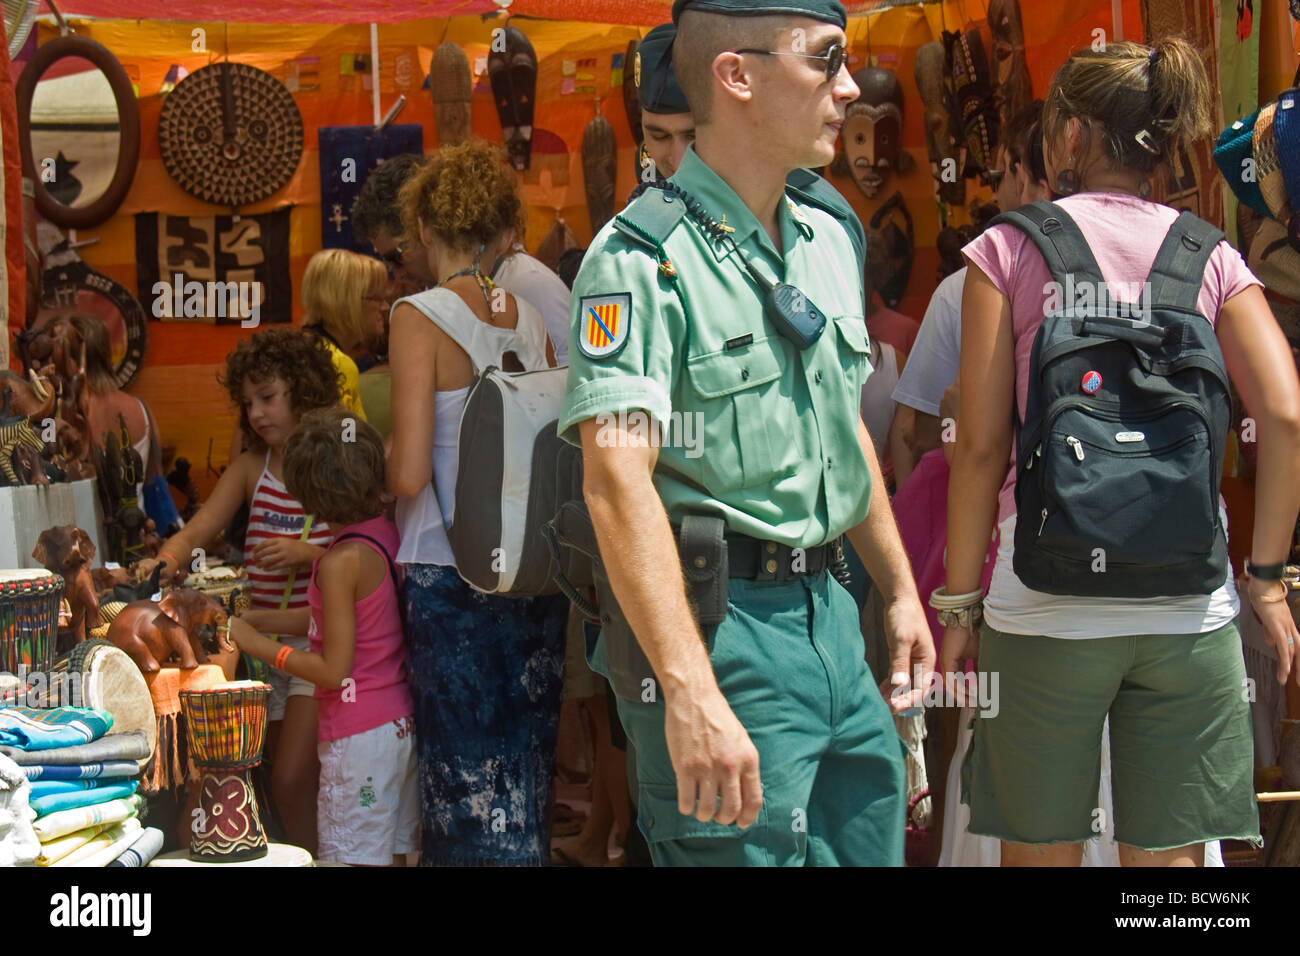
590,846
611,774
942,725
538,682
1182,752
297,772
1034,768
856,809
775,682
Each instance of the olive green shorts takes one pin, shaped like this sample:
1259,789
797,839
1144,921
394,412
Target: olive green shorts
1182,756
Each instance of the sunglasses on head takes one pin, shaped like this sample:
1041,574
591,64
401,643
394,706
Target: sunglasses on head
835,57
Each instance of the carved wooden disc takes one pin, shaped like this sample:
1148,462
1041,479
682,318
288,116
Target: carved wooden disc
230,160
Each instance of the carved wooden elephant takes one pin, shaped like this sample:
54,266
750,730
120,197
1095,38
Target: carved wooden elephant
185,624
67,550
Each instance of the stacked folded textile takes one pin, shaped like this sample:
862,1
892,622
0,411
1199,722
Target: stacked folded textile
79,786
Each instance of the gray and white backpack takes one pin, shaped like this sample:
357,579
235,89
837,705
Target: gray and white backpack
510,454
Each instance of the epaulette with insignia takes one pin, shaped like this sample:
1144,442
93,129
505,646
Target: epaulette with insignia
651,217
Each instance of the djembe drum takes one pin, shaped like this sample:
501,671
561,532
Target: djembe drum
226,726
29,619
98,674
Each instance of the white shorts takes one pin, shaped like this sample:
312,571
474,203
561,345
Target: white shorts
368,806
284,685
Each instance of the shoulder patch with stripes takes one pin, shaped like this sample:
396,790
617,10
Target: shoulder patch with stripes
603,324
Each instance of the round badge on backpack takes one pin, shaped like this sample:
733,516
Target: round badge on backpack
1091,381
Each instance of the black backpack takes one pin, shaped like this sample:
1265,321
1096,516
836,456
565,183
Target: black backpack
1121,450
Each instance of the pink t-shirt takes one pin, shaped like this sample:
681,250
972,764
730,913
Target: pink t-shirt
1124,233
379,692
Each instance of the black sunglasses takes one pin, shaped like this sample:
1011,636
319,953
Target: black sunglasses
395,256
995,177
834,57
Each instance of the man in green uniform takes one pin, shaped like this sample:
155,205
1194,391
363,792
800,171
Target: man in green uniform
762,740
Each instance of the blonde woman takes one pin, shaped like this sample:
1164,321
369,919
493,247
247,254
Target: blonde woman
344,301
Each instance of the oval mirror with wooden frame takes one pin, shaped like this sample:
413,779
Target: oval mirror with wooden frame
68,115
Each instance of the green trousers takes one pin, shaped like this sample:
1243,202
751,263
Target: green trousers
789,660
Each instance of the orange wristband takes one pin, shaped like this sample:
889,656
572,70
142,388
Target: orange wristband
168,554
282,656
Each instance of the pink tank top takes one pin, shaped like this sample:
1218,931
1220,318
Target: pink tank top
274,513
377,691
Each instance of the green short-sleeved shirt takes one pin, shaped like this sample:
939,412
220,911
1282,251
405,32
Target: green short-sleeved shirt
756,430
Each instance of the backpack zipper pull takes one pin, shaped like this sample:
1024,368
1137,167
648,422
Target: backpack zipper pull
1038,453
1076,445
1043,523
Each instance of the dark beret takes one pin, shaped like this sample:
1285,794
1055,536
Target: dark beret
656,84
828,11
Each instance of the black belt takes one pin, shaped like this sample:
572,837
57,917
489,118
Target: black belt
757,560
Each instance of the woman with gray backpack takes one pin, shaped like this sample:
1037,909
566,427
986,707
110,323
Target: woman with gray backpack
485,669
1098,334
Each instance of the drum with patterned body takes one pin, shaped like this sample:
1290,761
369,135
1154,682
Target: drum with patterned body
226,727
29,619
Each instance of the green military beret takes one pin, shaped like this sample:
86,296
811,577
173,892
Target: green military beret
656,84
828,11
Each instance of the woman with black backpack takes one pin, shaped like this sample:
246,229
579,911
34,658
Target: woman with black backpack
1094,411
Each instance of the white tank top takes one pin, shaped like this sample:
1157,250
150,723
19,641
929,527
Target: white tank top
422,521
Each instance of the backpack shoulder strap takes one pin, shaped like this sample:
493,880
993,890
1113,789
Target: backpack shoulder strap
1058,239
1179,268
449,312
650,218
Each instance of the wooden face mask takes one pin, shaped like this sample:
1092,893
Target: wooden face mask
1013,89
873,126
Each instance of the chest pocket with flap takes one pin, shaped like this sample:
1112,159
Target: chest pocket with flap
854,347
738,393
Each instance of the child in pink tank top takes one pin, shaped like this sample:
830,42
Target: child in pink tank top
368,804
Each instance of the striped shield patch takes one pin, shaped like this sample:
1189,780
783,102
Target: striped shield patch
603,324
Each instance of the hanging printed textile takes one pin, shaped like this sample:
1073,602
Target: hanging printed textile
347,155
221,270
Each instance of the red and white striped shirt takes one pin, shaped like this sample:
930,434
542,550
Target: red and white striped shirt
274,513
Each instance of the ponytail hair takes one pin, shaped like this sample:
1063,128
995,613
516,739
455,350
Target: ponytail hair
1145,103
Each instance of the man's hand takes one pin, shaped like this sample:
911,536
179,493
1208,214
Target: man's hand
911,652
712,757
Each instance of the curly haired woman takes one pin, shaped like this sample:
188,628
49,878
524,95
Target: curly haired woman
275,377
486,671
